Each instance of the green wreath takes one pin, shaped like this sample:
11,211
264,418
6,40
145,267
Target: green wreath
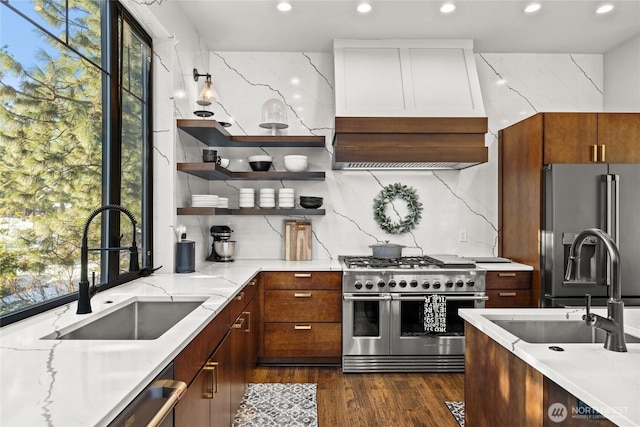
387,195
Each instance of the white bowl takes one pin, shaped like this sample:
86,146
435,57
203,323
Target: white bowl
260,158
286,191
296,163
224,162
270,191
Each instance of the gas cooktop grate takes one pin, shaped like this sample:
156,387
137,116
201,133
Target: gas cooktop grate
402,262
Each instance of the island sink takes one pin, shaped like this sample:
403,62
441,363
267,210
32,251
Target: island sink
556,331
140,319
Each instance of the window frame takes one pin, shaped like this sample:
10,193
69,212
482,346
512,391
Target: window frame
113,13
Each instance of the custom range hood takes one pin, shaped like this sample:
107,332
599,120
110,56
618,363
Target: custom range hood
407,104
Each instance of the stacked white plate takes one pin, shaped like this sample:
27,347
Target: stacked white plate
286,198
267,198
204,201
247,198
223,202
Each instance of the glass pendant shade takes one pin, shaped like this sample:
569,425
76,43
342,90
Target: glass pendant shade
274,115
206,94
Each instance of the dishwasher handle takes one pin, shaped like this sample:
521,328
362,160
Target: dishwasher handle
173,391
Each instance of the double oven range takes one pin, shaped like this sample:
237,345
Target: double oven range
383,312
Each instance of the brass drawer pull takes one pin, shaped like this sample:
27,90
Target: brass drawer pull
602,154
252,283
302,327
238,324
248,313
240,296
213,368
302,294
302,275
507,294
506,274
594,153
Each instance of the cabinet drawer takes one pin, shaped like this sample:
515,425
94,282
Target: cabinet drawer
302,280
508,298
302,306
302,339
508,280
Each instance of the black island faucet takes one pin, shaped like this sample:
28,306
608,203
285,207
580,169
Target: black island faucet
613,324
84,291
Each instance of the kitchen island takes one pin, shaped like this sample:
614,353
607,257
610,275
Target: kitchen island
49,382
603,380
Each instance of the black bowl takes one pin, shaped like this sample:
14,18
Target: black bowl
311,204
311,198
260,166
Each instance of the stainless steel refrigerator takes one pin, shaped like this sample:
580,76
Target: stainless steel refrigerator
580,196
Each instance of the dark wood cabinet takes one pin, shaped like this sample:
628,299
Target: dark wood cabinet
508,289
302,314
526,147
218,363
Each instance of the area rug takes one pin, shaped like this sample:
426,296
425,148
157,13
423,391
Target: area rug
457,410
276,404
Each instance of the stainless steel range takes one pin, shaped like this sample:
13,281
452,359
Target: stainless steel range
385,319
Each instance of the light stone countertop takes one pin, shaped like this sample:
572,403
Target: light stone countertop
504,266
89,382
605,380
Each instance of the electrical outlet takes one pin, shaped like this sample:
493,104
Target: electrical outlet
463,235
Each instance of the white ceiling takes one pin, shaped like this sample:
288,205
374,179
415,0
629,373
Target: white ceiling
497,26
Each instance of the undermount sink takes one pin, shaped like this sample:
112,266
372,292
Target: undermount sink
140,319
556,331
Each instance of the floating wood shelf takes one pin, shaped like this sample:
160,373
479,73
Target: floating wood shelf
249,211
213,171
213,134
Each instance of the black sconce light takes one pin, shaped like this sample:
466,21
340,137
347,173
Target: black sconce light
206,95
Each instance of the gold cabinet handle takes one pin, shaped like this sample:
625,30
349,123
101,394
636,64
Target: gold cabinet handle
302,294
603,154
211,367
248,313
302,327
252,283
303,275
506,274
238,324
240,296
594,153
506,294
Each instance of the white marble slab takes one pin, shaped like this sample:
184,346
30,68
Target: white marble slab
89,382
605,380
504,266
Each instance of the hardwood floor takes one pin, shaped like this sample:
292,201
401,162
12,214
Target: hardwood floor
375,399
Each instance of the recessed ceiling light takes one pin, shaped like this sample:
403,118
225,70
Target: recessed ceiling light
605,8
364,7
532,7
447,8
284,6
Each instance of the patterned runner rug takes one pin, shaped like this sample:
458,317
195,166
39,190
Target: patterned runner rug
276,404
457,410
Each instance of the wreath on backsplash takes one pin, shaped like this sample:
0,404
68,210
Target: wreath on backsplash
386,196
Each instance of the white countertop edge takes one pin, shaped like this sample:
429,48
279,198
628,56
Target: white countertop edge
589,390
504,266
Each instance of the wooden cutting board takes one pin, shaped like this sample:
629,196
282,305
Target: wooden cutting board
297,240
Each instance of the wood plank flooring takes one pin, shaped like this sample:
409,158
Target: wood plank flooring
374,399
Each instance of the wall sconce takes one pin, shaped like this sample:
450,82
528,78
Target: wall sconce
206,95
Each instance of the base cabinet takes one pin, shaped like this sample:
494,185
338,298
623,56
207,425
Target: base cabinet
508,289
218,363
302,318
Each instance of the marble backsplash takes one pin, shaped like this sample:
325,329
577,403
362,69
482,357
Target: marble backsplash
514,86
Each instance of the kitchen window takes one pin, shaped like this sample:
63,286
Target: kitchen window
75,108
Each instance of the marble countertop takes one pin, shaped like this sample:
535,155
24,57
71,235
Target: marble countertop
605,380
89,382
504,266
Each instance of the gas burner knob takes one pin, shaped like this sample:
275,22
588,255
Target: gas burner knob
449,284
403,283
392,283
368,284
470,283
425,284
436,285
413,283
358,284
381,283
459,283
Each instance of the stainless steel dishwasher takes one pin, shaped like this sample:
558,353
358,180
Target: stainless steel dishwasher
154,406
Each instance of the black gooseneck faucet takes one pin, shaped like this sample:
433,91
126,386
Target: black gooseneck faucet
84,291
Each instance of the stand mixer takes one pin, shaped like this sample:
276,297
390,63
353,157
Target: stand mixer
222,248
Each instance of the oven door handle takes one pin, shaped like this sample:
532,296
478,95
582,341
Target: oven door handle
352,297
398,297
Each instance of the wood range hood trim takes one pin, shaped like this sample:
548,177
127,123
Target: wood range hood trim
409,143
